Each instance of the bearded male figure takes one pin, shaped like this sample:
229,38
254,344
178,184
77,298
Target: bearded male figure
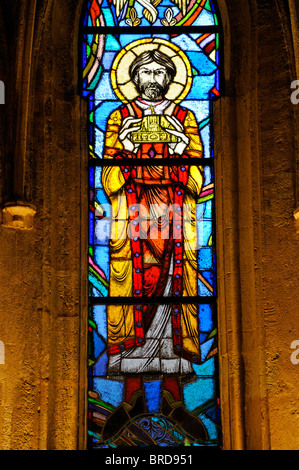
150,255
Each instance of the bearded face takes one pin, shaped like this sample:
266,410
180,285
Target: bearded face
153,81
153,91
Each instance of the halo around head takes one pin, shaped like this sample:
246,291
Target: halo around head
121,81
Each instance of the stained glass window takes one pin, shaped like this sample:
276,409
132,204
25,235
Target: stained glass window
151,70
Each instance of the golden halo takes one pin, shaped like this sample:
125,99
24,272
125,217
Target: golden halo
120,78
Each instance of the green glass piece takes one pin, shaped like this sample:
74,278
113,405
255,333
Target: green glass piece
208,6
88,51
101,403
130,5
213,333
98,277
92,324
185,18
96,79
205,198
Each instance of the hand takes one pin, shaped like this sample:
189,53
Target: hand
125,131
179,131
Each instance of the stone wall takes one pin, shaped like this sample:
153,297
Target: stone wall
43,268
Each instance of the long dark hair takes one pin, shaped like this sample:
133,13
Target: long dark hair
152,56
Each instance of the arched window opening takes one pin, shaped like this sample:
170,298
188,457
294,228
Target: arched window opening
151,70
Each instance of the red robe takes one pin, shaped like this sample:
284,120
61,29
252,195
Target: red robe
149,257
